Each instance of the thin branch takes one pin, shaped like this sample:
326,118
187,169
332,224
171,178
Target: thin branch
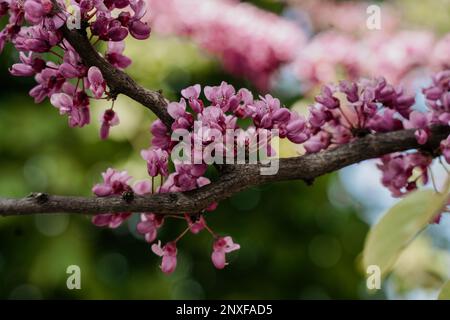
118,81
238,178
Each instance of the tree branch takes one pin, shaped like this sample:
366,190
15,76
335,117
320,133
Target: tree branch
118,81
307,167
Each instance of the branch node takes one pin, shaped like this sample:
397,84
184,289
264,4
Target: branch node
40,197
128,196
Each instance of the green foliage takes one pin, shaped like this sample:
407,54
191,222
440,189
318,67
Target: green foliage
445,292
400,225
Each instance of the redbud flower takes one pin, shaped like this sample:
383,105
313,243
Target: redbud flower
397,169
192,93
96,82
142,187
29,66
115,56
157,161
114,183
168,254
327,99
221,247
110,220
62,101
108,119
177,109
196,225
149,225
161,135
221,96
419,121
317,142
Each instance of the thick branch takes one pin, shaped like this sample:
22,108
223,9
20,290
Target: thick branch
117,80
240,177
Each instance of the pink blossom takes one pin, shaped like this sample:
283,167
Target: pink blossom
221,247
169,256
318,142
110,220
149,225
109,119
96,82
161,135
249,41
142,187
192,93
62,101
196,225
398,168
419,121
157,161
114,183
115,56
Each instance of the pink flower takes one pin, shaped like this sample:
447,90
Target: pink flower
168,254
142,187
318,142
29,65
327,99
62,101
397,169
222,96
114,183
115,56
110,220
177,109
157,161
96,82
139,30
419,121
221,247
108,120
192,93
161,135
196,224
149,225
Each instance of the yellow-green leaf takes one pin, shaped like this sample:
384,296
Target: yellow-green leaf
400,225
445,292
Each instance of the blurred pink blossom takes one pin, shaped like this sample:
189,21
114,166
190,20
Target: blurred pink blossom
249,41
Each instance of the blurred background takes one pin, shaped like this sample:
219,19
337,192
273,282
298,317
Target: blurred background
297,241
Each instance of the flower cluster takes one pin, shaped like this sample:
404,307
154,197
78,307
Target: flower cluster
35,28
341,114
398,169
249,41
331,55
353,109
219,112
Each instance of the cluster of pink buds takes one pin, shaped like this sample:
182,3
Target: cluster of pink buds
219,112
353,109
341,114
35,28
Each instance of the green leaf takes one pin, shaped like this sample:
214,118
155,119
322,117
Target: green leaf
445,292
400,225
